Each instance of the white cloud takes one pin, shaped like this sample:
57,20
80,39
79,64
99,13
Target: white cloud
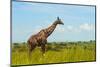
60,29
76,29
69,28
72,28
87,27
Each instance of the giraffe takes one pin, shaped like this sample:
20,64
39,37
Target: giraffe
40,39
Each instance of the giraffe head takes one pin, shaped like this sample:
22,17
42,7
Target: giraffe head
58,21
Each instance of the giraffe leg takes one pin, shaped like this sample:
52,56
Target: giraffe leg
43,47
43,50
30,50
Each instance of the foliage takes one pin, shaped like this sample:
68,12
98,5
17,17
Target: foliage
56,52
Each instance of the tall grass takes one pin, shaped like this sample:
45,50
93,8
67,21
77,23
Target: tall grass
55,53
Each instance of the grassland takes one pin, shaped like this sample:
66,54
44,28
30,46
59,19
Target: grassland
55,53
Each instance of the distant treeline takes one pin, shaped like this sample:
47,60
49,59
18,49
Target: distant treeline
60,43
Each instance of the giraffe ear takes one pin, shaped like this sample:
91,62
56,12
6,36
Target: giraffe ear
57,18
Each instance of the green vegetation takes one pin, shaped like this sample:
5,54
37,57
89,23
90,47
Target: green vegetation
55,53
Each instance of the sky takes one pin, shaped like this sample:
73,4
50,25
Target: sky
28,18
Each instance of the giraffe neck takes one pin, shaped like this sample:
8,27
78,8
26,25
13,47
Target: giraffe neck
50,29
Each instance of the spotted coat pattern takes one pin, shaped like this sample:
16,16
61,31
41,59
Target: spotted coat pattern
40,39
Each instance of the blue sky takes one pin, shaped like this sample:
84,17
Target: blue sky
29,18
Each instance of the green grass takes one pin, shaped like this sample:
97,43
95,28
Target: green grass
55,53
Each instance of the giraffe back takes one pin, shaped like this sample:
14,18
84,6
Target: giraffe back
38,38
